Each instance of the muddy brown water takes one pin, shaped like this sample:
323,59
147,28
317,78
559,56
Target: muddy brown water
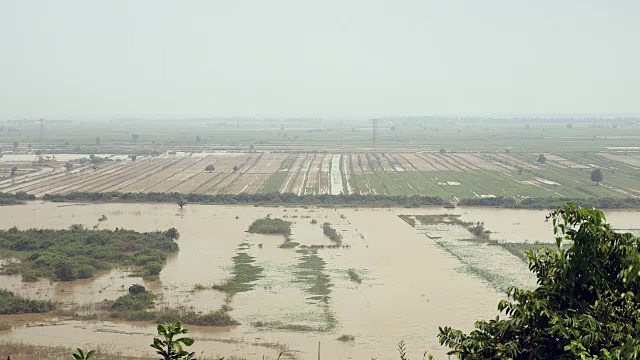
411,285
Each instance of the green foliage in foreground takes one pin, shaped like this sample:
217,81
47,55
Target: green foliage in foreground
587,305
270,226
77,253
14,304
169,346
81,355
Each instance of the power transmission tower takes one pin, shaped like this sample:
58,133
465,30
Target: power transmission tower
374,123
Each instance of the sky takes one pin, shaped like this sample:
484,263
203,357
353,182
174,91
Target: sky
332,58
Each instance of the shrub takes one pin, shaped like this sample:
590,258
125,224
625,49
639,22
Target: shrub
133,302
14,304
152,269
78,253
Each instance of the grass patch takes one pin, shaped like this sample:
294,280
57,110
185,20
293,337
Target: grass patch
244,274
279,325
408,219
274,183
476,229
136,305
331,233
270,226
288,244
78,253
14,304
353,275
198,287
346,337
20,350
310,271
190,316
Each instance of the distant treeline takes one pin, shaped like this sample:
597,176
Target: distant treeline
553,203
17,198
273,198
340,200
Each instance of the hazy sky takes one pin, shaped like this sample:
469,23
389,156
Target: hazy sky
121,58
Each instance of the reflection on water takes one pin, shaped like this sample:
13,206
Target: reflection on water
411,285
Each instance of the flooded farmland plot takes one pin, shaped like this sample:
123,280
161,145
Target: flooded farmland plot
395,274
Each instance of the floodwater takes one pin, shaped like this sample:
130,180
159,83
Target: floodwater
411,284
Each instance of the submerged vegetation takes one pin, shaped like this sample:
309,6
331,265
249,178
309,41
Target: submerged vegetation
138,305
475,228
244,275
270,226
14,304
310,271
353,275
346,337
78,253
331,233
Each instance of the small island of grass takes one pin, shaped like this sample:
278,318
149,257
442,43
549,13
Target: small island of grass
270,226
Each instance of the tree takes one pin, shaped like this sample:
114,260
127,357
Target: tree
542,159
569,125
133,157
170,347
136,289
596,176
14,170
198,138
97,141
181,202
235,168
251,147
442,150
172,233
586,304
135,137
210,168
68,166
15,145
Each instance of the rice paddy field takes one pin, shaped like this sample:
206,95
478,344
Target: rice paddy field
450,158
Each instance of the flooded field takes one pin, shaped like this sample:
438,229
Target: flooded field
414,277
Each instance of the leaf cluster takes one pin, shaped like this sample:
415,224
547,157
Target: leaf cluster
586,305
